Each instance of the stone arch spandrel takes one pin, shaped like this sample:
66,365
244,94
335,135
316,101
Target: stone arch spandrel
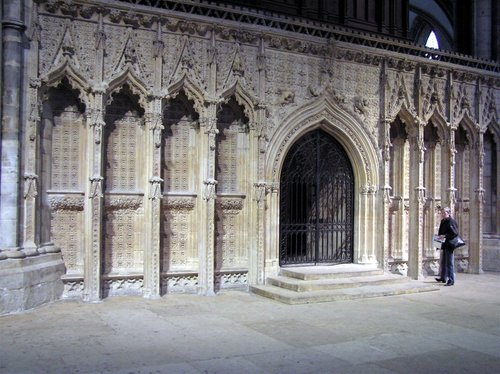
335,121
400,100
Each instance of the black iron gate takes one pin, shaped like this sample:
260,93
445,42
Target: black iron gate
316,202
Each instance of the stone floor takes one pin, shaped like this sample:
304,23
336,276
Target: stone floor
453,330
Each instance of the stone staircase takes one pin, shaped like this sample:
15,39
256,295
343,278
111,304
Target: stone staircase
315,284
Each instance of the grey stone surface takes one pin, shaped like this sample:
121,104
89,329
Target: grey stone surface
453,330
29,282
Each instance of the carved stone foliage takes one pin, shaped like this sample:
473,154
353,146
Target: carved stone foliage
434,96
187,53
295,45
73,288
289,78
359,85
400,93
121,52
236,62
231,280
61,202
51,30
179,204
122,286
84,36
177,283
144,52
173,47
489,107
463,102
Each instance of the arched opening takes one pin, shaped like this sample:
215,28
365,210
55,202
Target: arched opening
432,41
490,178
232,170
123,250
179,171
316,203
62,147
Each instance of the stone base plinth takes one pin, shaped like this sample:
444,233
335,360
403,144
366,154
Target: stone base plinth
29,282
491,253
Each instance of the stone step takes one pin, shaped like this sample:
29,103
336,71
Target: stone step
330,272
367,291
336,282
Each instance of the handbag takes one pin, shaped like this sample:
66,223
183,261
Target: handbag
457,242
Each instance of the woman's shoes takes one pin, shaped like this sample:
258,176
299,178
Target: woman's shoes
449,283
440,280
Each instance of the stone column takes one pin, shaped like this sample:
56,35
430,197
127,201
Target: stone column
272,235
417,201
152,269
260,198
386,192
12,71
451,197
206,276
30,174
476,208
94,203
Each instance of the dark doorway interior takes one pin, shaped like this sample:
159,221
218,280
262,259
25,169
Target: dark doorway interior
316,203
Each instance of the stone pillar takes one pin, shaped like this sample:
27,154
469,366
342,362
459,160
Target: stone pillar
260,198
476,208
94,203
206,276
386,193
152,270
417,201
483,28
271,267
12,71
451,197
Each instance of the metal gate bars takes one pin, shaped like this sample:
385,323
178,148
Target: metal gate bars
316,203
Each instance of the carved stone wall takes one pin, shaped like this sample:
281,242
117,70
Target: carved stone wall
165,163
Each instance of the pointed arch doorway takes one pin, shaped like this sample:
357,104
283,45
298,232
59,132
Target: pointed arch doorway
316,203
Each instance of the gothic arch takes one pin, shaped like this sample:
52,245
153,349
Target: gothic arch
441,125
327,115
191,89
244,98
54,77
470,127
136,86
407,116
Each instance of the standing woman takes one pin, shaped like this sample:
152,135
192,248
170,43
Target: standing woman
448,229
